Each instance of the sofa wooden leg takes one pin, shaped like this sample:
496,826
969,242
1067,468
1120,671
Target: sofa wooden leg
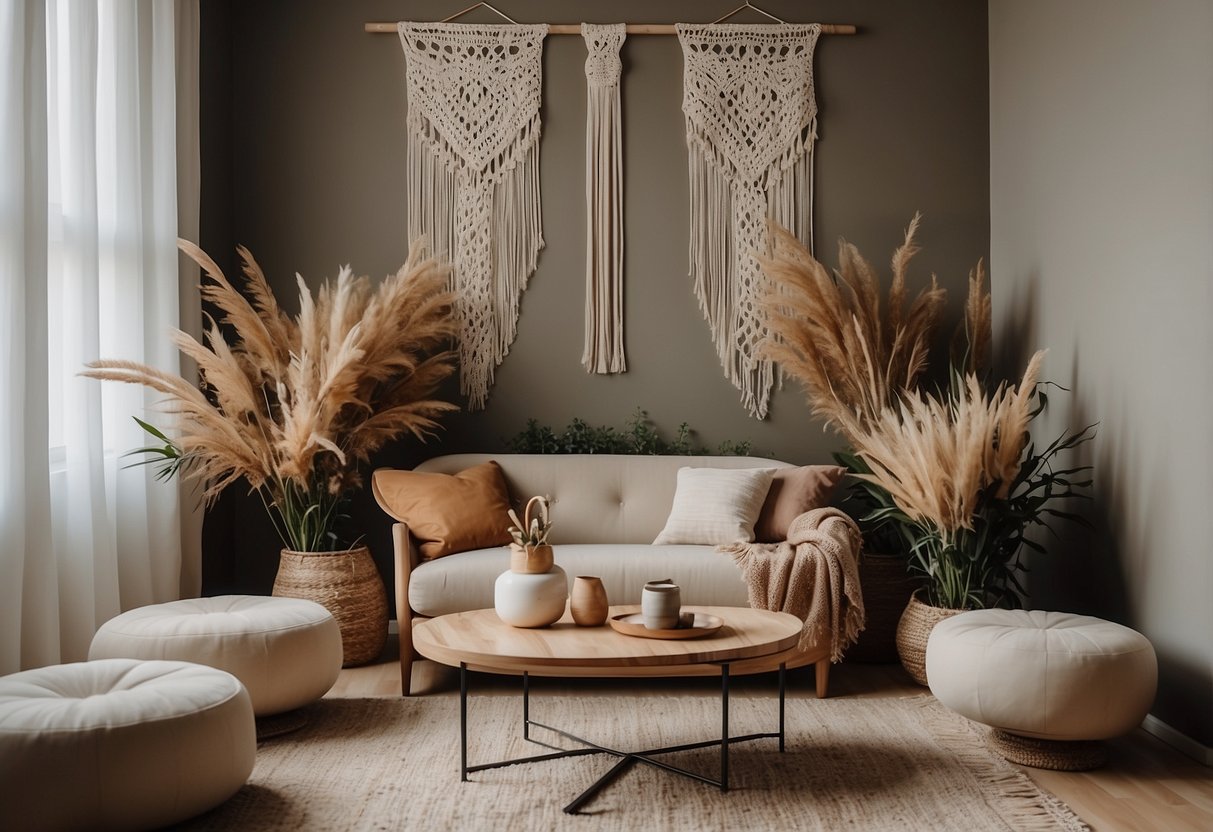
406,674
407,654
823,678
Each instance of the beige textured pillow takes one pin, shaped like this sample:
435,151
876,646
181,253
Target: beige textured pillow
448,513
793,492
716,505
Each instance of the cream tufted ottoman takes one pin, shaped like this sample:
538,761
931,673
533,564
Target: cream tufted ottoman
1051,684
120,744
286,651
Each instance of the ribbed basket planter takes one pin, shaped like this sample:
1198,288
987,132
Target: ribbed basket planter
887,588
348,585
913,630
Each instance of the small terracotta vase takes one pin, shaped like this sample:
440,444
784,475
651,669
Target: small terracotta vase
529,559
588,603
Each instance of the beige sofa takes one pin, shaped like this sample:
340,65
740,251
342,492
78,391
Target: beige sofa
606,511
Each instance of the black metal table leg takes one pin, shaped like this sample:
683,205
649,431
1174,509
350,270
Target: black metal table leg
782,672
586,796
724,727
626,758
463,722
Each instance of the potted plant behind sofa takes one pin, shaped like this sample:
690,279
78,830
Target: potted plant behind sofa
855,353
295,406
951,479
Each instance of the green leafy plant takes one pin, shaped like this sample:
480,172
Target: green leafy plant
639,437
169,456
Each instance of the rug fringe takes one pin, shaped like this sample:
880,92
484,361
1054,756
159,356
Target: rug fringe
1022,803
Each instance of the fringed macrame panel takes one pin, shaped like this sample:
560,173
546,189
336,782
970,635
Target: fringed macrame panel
473,174
603,200
751,118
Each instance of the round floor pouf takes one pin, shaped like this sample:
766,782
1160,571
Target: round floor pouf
286,651
1052,685
120,744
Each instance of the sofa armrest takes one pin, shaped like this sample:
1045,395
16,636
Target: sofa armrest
406,557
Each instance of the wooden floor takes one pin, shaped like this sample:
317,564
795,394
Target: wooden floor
1146,785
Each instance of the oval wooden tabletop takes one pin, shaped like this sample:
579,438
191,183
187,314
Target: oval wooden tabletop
480,638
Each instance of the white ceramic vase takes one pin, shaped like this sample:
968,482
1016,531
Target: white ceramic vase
531,600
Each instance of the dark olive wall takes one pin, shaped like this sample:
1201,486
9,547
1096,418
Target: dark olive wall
303,161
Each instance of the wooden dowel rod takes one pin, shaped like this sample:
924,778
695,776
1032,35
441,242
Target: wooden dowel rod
632,28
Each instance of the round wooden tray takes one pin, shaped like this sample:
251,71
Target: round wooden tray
632,624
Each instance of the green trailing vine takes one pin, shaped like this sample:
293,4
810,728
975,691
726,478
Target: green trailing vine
639,437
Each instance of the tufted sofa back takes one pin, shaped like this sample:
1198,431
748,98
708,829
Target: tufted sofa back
597,498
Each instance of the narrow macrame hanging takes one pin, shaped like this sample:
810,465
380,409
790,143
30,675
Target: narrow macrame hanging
751,120
603,200
473,174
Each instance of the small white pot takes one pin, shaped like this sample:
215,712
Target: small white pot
660,604
531,600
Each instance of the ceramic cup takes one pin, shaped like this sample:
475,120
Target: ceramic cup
660,602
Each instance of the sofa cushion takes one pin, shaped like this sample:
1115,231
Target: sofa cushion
447,513
793,492
465,581
716,505
597,498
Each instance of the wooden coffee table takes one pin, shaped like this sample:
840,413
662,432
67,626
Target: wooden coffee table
479,640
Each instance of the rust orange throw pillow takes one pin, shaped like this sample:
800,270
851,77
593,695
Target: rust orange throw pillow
793,492
448,513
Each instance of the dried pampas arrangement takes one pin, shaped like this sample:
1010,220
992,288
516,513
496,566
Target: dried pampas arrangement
949,477
295,405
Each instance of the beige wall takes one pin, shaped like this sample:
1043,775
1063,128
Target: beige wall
304,163
1101,171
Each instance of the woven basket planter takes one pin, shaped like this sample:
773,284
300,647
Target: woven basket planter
1057,755
348,585
887,588
913,630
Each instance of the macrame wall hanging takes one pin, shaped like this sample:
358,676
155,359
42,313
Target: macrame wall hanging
751,118
603,200
473,174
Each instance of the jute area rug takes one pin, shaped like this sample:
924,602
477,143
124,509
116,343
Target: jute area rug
851,763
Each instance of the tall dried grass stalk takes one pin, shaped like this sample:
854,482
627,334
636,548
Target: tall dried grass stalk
294,406
829,331
971,341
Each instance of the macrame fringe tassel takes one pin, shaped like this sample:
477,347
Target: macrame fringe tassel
603,351
488,223
517,240
604,235
728,233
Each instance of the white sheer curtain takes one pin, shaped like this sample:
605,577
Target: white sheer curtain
99,103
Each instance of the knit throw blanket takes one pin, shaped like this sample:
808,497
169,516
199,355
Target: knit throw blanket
814,575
